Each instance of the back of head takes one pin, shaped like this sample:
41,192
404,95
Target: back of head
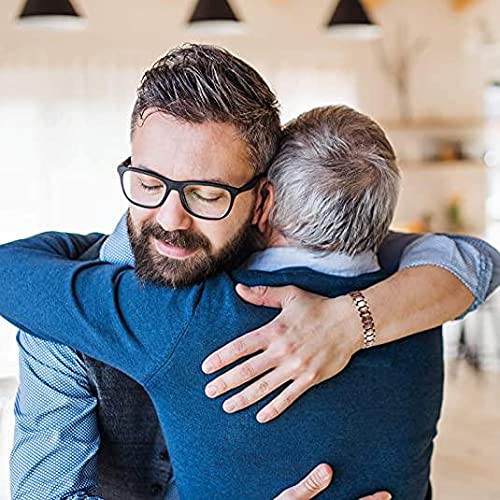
202,83
336,181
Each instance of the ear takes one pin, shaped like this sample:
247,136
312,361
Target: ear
264,205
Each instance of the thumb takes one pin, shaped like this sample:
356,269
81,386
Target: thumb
266,295
315,482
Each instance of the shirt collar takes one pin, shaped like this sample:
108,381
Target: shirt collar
116,248
335,263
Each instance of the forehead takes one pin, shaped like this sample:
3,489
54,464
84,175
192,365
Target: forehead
184,151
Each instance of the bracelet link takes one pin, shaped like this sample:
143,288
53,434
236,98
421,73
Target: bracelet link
366,319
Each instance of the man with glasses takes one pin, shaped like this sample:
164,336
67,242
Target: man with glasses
186,249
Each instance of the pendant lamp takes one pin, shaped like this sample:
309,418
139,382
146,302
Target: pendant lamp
53,14
351,20
214,16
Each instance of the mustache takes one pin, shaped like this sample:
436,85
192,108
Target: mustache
182,239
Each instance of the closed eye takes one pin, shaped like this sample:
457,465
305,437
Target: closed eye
207,199
150,188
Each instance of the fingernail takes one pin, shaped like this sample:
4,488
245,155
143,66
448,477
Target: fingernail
262,417
211,391
243,288
323,474
207,367
228,406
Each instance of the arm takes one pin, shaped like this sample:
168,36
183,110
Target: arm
56,433
314,338
473,261
440,278
97,308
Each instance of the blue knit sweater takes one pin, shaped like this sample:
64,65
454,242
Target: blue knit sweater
374,422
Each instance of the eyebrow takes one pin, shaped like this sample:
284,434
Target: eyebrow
216,180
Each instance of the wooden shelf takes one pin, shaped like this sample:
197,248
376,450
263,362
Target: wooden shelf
423,164
437,125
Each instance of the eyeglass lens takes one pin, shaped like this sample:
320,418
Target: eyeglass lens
148,191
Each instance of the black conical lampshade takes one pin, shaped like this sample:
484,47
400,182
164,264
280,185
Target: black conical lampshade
49,13
213,10
351,19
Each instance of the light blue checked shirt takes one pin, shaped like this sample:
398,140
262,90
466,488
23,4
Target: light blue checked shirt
57,437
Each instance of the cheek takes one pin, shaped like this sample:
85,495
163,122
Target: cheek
140,215
221,232
217,232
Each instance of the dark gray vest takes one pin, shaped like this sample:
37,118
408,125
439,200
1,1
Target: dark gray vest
133,460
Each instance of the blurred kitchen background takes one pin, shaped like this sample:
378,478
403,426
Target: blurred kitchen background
427,70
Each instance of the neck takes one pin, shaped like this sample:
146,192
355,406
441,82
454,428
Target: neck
276,239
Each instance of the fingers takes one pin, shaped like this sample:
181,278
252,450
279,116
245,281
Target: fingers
257,339
255,392
285,399
238,348
315,482
239,375
381,495
268,296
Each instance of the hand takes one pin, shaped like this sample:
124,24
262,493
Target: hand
310,341
315,482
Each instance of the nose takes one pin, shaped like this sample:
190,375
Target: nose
171,215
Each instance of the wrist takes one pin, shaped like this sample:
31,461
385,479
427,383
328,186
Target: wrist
346,322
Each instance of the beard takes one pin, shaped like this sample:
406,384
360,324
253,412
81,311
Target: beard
152,267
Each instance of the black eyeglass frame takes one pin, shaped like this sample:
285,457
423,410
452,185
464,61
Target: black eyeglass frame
179,187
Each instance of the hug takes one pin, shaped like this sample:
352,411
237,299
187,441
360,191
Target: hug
155,322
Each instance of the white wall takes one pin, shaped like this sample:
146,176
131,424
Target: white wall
282,35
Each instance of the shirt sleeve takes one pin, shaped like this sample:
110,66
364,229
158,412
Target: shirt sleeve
97,308
489,251
473,261
56,435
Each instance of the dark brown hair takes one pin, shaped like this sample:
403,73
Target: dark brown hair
201,83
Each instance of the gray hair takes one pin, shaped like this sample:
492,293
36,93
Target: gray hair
202,83
336,181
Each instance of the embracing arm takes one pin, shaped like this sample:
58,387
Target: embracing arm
314,338
473,261
96,308
56,433
441,278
